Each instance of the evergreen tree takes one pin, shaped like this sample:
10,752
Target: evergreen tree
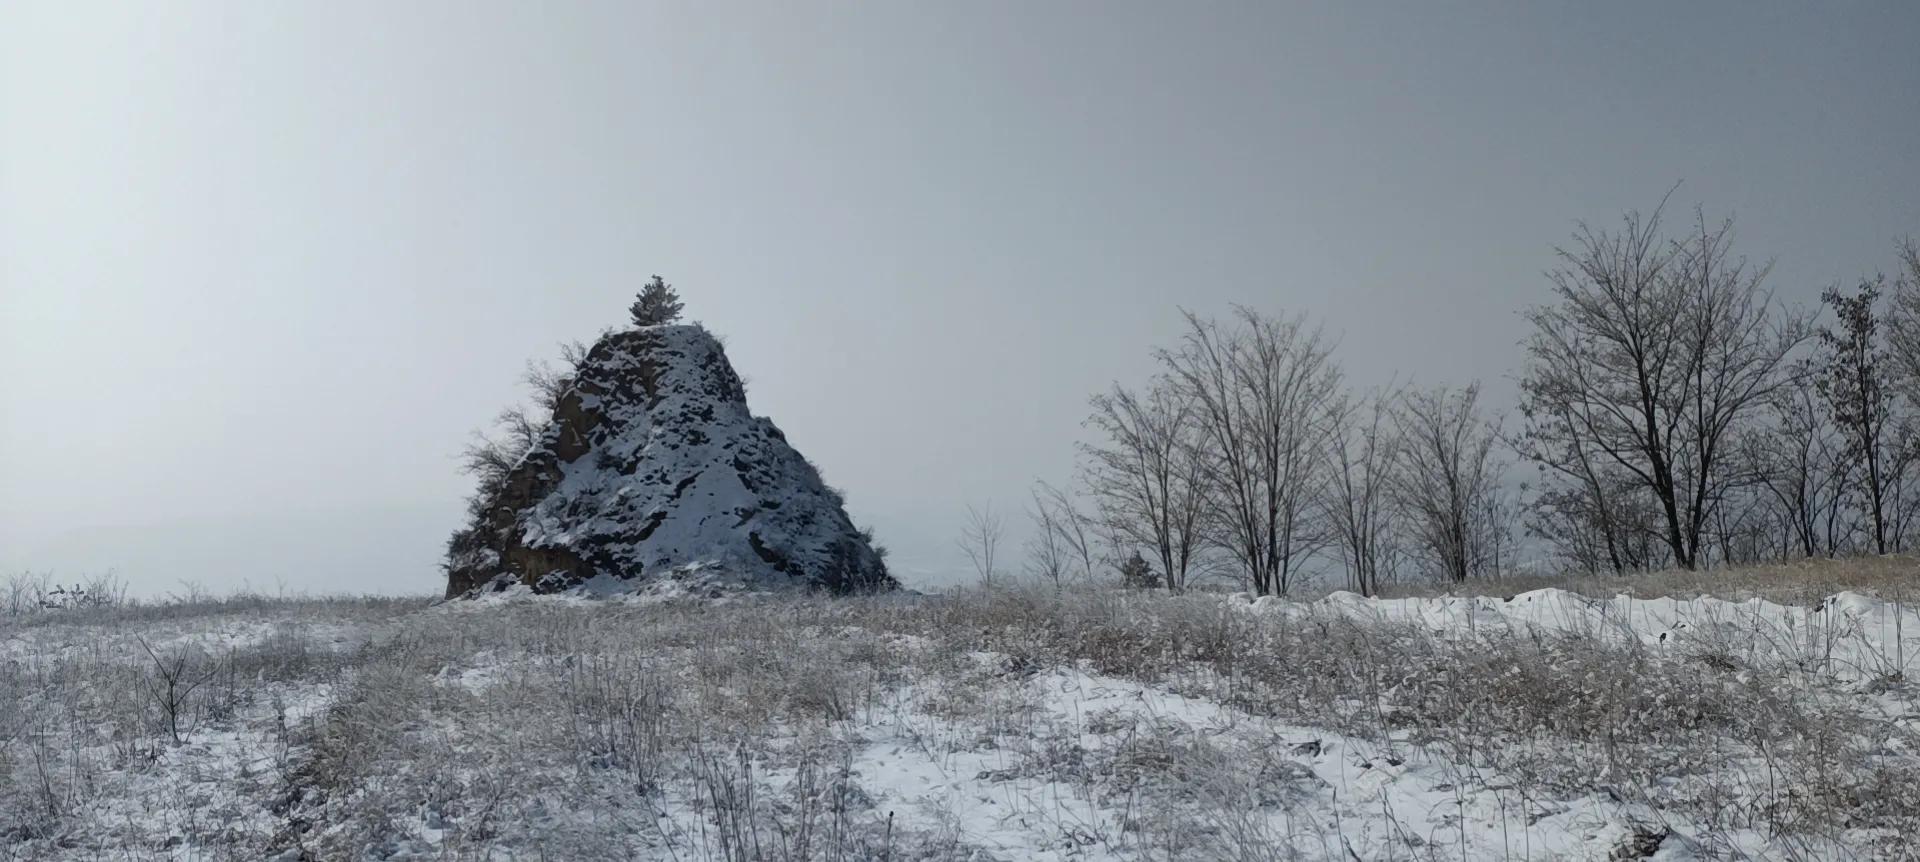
1136,574
658,304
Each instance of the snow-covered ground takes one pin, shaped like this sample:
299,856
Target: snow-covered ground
1852,637
1013,725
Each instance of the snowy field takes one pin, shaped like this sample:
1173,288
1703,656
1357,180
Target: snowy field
1005,726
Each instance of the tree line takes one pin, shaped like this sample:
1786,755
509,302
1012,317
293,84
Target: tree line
1672,413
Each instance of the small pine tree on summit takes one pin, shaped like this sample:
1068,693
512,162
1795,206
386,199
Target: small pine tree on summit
657,305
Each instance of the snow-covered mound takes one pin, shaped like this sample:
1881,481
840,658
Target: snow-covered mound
652,468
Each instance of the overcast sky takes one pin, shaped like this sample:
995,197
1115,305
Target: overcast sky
265,266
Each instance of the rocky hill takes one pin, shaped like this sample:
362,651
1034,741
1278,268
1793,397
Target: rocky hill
652,469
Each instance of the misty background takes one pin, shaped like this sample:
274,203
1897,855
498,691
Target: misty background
263,270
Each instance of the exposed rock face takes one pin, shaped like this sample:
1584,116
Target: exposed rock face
652,466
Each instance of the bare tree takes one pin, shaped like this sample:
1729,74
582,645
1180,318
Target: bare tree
1649,358
1796,461
1073,529
1263,392
1855,381
171,686
1903,322
1049,558
1608,526
1449,482
1746,529
1146,475
1360,507
551,383
980,540
1498,521
1903,341
1589,509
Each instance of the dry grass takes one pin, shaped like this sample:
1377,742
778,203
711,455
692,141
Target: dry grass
1568,713
370,729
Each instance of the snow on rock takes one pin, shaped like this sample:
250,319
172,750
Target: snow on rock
653,469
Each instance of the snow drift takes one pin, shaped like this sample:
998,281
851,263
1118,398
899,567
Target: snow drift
653,469
1849,636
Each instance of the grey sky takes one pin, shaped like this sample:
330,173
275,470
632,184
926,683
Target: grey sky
264,266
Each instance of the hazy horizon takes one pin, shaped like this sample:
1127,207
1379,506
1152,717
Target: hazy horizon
263,270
